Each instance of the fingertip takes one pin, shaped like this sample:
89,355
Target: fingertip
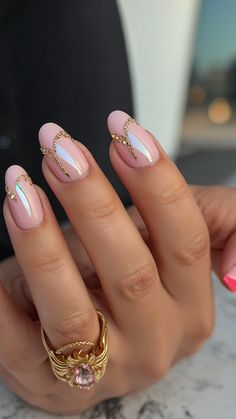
47,132
116,120
13,172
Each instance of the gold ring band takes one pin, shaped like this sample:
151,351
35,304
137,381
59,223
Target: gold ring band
72,364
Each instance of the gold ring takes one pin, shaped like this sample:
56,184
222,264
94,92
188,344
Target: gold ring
80,364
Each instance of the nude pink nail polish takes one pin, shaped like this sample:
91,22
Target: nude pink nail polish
23,198
133,143
63,154
230,279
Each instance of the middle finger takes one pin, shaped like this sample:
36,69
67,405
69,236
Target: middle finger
121,258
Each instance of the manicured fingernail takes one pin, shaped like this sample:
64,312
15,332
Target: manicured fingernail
23,198
133,143
230,279
64,157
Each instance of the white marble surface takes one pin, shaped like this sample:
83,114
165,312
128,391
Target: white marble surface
202,387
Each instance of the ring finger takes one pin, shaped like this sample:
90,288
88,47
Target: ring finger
60,296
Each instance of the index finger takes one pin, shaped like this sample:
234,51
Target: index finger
178,234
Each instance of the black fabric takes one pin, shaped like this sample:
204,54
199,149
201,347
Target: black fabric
62,61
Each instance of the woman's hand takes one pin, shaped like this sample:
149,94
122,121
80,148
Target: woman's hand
157,299
217,205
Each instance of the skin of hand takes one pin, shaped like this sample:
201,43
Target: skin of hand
156,294
217,204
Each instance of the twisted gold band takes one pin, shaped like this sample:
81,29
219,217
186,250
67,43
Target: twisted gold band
71,364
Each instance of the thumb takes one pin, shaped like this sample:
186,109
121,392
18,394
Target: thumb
218,207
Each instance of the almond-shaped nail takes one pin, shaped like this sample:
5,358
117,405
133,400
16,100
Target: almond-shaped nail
63,154
134,144
230,279
23,198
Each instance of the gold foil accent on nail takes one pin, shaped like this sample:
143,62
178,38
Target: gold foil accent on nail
57,137
9,191
52,153
48,152
124,139
24,177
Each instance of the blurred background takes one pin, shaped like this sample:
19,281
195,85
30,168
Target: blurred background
209,128
182,57
210,116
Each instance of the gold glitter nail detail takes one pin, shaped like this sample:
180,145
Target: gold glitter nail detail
124,139
52,156
10,192
24,177
52,153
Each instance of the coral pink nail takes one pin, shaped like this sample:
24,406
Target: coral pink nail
63,154
134,144
230,279
23,198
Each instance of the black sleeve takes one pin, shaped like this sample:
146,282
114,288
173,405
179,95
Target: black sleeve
61,61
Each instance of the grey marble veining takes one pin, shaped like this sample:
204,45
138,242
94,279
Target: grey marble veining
201,387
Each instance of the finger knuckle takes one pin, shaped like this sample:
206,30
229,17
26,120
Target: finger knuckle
73,327
204,328
173,194
101,209
157,367
158,371
47,263
139,282
200,332
195,249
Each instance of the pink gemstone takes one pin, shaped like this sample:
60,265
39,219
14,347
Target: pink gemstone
84,376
